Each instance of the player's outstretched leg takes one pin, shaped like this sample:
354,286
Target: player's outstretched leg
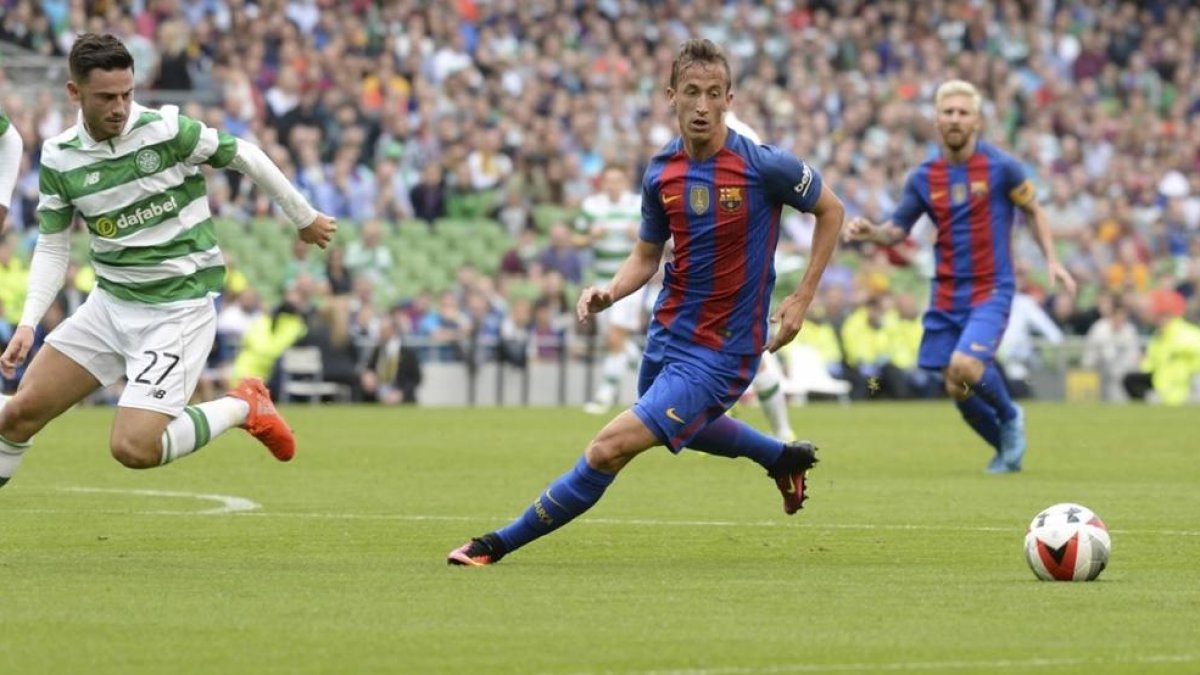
981,417
263,421
992,389
570,495
787,463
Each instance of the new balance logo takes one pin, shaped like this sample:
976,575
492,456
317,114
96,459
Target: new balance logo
157,393
92,178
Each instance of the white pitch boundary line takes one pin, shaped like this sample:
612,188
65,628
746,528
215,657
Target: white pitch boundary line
251,511
228,503
894,666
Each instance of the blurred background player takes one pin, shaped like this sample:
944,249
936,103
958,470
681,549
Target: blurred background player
718,196
11,148
971,192
768,381
609,221
133,176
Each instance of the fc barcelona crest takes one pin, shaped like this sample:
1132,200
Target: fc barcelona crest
979,188
730,198
698,199
958,193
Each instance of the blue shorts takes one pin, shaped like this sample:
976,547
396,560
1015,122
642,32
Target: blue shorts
975,332
683,387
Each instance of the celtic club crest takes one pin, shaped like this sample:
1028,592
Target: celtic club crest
148,161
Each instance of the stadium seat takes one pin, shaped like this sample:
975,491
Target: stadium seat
301,376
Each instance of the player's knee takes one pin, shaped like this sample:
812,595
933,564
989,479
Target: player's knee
135,453
964,370
608,452
956,388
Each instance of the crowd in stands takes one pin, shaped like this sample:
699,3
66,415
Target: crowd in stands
409,114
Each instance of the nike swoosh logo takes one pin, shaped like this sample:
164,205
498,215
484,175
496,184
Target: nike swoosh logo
673,416
976,347
937,195
667,199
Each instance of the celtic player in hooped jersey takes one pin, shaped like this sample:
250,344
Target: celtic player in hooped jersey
133,177
10,164
612,217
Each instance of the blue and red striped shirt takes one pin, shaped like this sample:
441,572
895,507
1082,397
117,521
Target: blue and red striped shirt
972,206
723,214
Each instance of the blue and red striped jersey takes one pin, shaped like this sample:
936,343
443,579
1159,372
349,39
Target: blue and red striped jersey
972,206
723,215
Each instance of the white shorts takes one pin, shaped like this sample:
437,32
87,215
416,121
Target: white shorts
160,349
630,312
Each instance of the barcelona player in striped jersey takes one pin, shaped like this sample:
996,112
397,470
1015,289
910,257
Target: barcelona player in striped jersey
718,197
972,193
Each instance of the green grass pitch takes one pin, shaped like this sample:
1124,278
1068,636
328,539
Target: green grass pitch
907,559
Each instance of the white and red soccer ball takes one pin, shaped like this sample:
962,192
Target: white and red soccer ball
1067,542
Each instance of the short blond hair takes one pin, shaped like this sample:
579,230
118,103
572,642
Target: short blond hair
956,87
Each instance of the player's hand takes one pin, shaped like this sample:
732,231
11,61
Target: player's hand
858,229
788,320
1059,274
592,300
319,231
17,350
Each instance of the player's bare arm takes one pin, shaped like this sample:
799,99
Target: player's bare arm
1036,218
638,268
885,234
789,317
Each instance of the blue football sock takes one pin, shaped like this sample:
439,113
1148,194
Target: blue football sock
982,418
728,437
992,389
570,495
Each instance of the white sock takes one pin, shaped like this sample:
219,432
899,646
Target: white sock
612,370
633,354
770,395
199,424
10,453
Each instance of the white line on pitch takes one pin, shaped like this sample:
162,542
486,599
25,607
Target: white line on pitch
894,666
247,513
228,504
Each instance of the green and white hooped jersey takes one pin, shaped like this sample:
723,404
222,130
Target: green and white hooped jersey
4,123
616,219
144,200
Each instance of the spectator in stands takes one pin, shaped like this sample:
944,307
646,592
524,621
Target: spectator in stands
1172,361
393,370
445,330
1113,348
561,255
1099,99
428,196
367,256
340,278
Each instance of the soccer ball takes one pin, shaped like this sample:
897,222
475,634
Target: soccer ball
1067,542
